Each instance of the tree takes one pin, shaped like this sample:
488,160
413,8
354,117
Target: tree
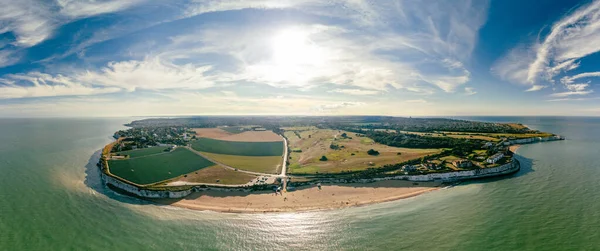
372,152
323,158
344,135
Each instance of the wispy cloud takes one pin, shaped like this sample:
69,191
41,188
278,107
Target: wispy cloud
151,74
470,91
355,91
534,88
569,93
335,106
33,21
357,48
570,39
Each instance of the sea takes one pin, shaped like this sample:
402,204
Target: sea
51,198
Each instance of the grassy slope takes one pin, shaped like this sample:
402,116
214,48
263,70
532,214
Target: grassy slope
262,164
238,148
343,159
155,168
214,173
143,152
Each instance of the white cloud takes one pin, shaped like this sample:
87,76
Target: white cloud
571,79
569,93
84,8
152,74
33,21
570,39
335,106
535,88
470,91
355,91
45,85
426,48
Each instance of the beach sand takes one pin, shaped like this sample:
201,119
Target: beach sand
514,148
305,199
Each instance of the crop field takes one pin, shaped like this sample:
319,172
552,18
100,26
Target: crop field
350,155
155,168
143,152
254,136
218,175
213,133
261,164
238,148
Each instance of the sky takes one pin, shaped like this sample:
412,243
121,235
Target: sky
88,58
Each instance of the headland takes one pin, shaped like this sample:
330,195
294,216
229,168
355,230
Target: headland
282,164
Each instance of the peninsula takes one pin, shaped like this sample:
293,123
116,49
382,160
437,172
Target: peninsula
275,164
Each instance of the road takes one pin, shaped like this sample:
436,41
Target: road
285,158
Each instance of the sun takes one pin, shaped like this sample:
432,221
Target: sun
293,49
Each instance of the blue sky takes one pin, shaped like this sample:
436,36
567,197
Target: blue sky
403,58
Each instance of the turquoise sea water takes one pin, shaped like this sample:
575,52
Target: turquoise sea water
51,199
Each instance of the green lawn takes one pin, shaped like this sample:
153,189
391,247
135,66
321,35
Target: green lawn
238,148
155,168
143,152
261,164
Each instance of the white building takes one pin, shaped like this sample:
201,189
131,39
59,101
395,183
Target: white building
494,158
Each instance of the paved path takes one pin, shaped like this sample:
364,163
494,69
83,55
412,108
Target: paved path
285,158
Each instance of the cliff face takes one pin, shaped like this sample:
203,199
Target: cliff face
144,193
535,140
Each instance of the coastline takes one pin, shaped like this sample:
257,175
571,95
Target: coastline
305,199
514,148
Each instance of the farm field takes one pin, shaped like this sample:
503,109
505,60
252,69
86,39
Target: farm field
143,152
218,175
238,148
155,168
253,136
262,164
350,155
212,133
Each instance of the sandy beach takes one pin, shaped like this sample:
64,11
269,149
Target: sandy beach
514,148
305,199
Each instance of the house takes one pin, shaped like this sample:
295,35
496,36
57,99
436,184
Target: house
494,158
462,163
431,166
488,144
409,168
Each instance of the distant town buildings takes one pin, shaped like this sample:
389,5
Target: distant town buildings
494,158
462,163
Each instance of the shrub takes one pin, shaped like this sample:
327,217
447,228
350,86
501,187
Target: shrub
323,158
372,152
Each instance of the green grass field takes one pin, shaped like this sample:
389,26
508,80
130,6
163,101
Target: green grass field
143,152
218,175
155,168
238,148
262,164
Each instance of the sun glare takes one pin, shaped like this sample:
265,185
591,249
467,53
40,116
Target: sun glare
294,52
